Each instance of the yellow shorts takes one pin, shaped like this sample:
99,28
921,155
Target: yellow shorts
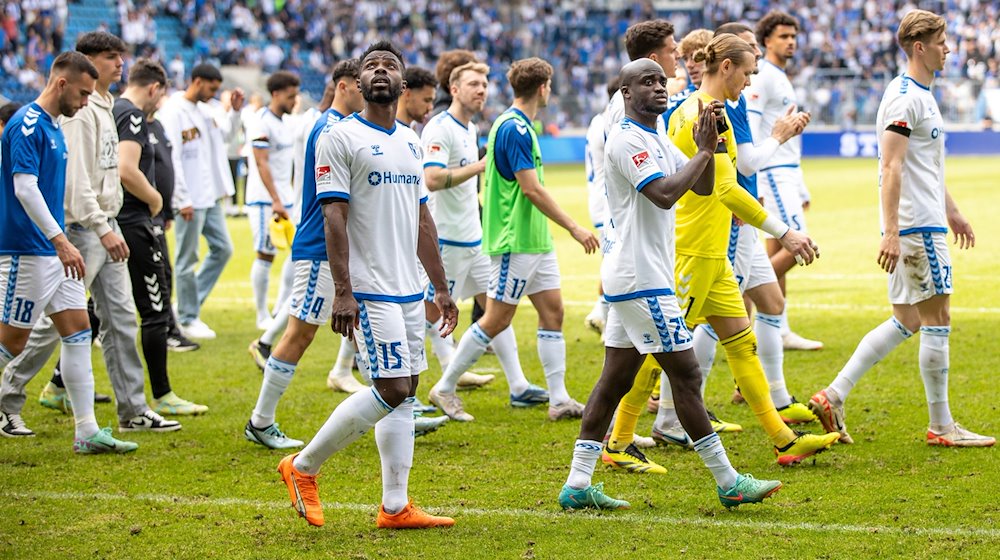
707,288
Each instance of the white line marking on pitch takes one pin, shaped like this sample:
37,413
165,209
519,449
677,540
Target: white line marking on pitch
538,514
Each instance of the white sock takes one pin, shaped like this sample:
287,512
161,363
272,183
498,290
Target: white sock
274,328
785,329
934,369
705,344
260,273
345,358
349,421
277,376
714,456
875,346
771,352
284,289
5,357
470,348
552,354
78,377
394,437
666,414
505,347
586,452
443,348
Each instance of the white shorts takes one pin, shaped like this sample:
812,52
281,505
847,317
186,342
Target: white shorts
36,285
651,325
391,338
260,228
751,265
923,270
781,188
514,275
467,270
312,292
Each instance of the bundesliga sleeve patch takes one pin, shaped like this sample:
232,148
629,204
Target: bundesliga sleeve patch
323,175
900,124
640,158
434,148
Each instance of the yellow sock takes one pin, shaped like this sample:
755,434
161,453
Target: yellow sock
741,350
633,403
656,387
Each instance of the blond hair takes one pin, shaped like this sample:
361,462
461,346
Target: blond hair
918,26
478,67
694,42
725,46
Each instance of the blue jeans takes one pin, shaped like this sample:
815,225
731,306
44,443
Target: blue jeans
193,288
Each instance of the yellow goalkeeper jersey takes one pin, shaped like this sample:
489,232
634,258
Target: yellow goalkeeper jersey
703,221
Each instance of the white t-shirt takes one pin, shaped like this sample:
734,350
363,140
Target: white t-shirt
768,98
639,250
594,166
276,135
909,108
449,144
380,173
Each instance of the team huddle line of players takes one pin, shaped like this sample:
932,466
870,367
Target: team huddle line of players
389,232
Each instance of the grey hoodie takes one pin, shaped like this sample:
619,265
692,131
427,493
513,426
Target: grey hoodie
93,187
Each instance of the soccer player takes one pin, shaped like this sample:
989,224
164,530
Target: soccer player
516,236
916,212
369,174
41,271
706,286
311,287
597,205
769,97
201,181
752,268
147,82
645,176
269,181
93,200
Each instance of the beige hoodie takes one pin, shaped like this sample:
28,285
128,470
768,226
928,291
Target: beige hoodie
93,187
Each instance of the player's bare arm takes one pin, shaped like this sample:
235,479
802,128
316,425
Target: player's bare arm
344,310
532,188
430,257
960,227
439,178
894,148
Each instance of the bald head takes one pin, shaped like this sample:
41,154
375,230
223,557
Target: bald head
644,89
637,69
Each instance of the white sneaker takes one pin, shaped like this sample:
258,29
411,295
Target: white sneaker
594,321
198,330
470,380
149,421
793,341
959,437
643,442
11,425
450,404
344,383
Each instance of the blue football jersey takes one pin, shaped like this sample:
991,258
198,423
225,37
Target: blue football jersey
310,238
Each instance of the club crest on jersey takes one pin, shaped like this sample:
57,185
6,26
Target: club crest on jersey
323,175
640,158
376,150
416,150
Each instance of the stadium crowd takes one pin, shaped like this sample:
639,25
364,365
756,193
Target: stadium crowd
847,52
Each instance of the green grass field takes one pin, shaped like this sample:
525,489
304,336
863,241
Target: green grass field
205,492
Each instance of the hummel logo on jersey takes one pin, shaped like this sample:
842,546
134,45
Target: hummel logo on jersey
136,125
647,338
27,131
323,176
376,150
521,129
640,158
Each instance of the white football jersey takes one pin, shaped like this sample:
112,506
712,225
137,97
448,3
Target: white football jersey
278,136
768,98
909,108
449,144
593,164
639,247
380,173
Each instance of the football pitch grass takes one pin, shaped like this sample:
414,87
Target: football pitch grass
205,492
